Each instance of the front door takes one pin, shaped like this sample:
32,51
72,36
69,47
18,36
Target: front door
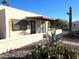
33,27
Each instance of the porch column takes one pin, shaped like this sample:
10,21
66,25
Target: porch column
41,26
46,26
10,27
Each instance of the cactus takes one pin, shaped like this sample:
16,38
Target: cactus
70,18
53,38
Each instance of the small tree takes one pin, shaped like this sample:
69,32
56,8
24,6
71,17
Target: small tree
5,2
57,23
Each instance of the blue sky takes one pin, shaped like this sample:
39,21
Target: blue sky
50,8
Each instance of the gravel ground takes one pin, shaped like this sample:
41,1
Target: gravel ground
25,52
22,53
71,43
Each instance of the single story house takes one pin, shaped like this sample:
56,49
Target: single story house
15,23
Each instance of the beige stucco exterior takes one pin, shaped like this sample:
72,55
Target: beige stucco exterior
7,14
16,39
2,24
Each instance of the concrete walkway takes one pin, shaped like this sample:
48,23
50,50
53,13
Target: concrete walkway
71,43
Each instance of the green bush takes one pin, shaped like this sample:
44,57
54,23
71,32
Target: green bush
53,52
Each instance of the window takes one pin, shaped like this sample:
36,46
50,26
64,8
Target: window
16,27
20,25
74,24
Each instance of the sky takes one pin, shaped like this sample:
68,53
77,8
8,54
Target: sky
50,8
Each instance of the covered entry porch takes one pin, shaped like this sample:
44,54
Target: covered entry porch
29,25
38,24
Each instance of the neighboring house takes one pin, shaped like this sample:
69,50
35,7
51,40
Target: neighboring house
65,26
75,26
15,23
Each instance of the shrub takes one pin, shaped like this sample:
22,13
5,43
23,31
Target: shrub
53,52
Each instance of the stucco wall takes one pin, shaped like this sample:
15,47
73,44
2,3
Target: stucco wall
58,31
17,34
2,24
12,13
11,44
